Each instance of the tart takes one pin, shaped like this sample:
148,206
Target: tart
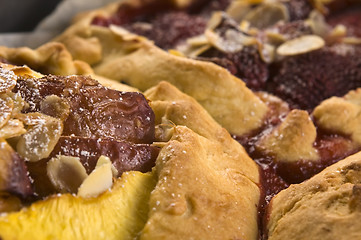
76,158
256,115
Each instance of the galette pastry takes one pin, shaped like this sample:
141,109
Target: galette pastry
54,58
327,206
294,55
85,146
246,103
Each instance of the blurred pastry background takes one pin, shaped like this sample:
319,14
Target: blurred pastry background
34,22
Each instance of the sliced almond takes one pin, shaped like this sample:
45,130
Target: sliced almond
13,128
238,9
275,38
232,42
267,52
55,106
32,118
300,45
197,40
337,33
6,108
352,40
267,14
244,26
195,52
26,72
40,138
123,33
66,173
215,20
98,181
7,80
18,103
318,24
105,160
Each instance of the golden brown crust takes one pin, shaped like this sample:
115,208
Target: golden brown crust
171,106
342,115
327,206
136,61
208,186
54,58
201,192
49,58
293,139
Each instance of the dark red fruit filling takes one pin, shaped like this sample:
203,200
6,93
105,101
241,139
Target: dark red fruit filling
166,25
125,156
336,6
294,29
95,111
350,18
298,9
247,65
19,182
305,80
169,29
100,121
276,175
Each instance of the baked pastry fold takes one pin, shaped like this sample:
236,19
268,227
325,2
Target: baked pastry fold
125,57
327,206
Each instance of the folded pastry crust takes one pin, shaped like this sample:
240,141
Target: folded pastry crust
204,183
172,107
201,192
327,206
54,58
208,187
120,55
328,116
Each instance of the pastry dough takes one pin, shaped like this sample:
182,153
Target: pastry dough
204,184
342,115
201,191
201,167
54,58
327,206
136,61
172,107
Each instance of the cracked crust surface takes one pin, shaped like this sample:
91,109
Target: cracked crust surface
327,206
